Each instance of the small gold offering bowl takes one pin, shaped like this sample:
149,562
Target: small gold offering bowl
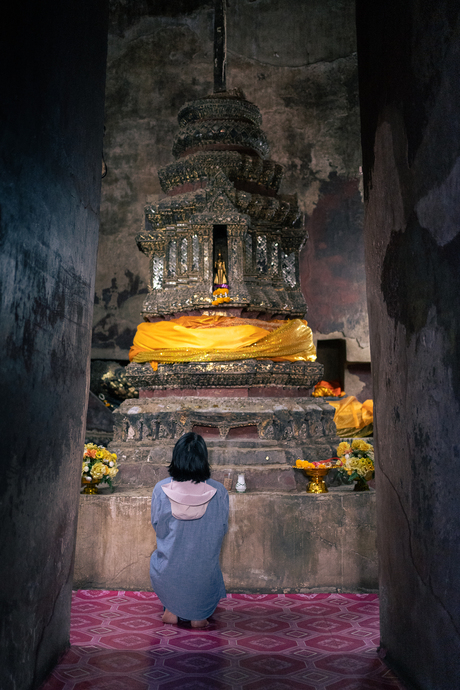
316,484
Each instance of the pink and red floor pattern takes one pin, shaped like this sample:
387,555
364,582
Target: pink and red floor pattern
254,642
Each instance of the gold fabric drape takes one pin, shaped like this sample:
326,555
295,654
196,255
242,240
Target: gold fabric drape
353,418
222,339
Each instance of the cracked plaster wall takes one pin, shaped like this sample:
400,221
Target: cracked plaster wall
52,69
297,61
411,147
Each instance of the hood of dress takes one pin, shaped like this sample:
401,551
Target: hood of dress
188,500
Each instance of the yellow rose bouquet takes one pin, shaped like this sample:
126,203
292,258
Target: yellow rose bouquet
99,465
355,461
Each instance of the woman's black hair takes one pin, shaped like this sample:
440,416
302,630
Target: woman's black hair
190,459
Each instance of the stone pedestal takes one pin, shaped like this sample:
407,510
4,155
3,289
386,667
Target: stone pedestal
261,437
280,538
277,541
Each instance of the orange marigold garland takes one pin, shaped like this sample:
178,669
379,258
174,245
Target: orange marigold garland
221,295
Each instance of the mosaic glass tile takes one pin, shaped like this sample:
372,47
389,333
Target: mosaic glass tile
183,255
261,253
288,268
157,272
195,253
274,257
172,258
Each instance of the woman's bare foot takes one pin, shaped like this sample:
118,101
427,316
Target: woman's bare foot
199,624
169,617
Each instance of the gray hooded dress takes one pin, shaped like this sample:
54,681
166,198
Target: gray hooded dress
184,569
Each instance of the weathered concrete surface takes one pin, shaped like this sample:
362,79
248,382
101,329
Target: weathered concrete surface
52,66
114,541
332,262
275,542
297,61
302,543
411,139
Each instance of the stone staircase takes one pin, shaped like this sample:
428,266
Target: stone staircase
260,437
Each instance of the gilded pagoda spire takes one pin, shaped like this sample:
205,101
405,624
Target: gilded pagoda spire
222,221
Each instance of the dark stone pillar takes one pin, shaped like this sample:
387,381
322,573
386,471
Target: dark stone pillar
409,61
52,71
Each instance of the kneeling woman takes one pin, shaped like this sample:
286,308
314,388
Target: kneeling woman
189,516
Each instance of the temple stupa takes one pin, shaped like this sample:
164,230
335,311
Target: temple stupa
223,246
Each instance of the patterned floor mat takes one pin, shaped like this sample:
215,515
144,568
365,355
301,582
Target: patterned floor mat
254,642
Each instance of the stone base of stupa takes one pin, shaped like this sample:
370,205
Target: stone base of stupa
253,414
261,437
280,538
299,377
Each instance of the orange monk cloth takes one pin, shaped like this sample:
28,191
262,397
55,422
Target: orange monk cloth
204,339
351,415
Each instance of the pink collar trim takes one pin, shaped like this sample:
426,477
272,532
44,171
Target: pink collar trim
188,493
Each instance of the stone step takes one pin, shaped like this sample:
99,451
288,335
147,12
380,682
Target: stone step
260,437
236,453
266,466
267,478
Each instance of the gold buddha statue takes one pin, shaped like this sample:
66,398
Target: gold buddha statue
220,276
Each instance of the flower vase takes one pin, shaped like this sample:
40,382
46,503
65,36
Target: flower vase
361,485
240,485
89,487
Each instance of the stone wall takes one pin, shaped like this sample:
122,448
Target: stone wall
297,62
276,542
411,147
52,65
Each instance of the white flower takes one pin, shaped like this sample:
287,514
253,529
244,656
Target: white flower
111,464
86,469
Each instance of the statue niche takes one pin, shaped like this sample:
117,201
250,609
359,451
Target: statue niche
220,252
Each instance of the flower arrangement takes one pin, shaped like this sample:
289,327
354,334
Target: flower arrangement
99,465
306,465
355,461
221,295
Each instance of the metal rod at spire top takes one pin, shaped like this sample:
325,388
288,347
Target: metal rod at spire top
220,46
